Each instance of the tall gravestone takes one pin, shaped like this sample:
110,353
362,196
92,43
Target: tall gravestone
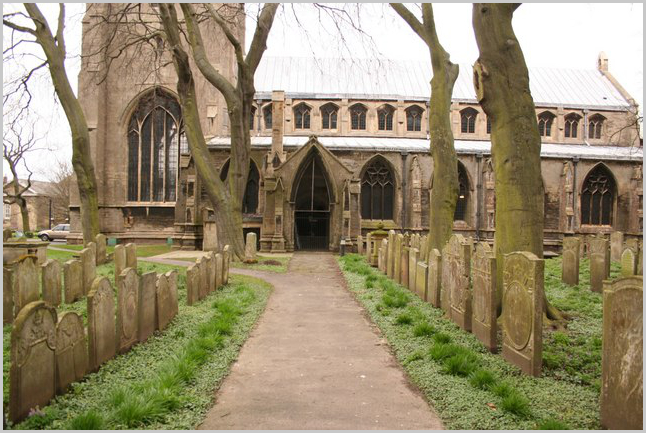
218,260
423,247
616,245
73,280
226,263
368,250
127,309
71,351
628,263
383,255
570,262
88,263
51,282
119,256
456,261
164,303
101,249
146,306
360,245
397,271
522,311
192,284
413,256
209,261
32,374
434,278
7,295
101,323
390,257
403,276
171,278
131,256
622,380
483,274
421,280
25,282
203,290
250,248
599,263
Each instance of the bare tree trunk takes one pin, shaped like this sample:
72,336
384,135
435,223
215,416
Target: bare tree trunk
20,201
502,85
444,189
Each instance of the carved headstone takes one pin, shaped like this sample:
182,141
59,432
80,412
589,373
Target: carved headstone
71,351
146,306
171,277
88,257
616,245
456,261
622,380
628,263
397,271
483,272
32,374
360,245
203,290
226,263
192,284
570,264
51,281
73,280
7,295
413,255
119,256
218,260
101,249
522,311
101,323
599,263
421,280
434,278
390,258
127,309
25,282
164,301
131,256
403,276
250,248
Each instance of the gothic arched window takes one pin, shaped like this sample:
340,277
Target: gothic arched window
267,116
302,116
250,198
252,114
358,116
468,120
597,197
488,125
329,114
385,117
153,147
572,125
463,195
414,118
377,192
595,125
545,120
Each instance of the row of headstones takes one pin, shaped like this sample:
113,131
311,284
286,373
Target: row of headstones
207,274
47,354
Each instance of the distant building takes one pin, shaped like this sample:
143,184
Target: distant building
39,197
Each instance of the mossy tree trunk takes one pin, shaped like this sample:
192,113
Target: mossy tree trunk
501,80
444,188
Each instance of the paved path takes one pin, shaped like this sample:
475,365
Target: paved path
314,362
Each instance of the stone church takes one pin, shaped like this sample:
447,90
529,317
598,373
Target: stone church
340,147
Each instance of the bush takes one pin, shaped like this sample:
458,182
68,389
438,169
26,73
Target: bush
404,319
462,364
516,404
482,379
423,330
442,338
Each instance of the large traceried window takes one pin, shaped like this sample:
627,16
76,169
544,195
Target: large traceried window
153,146
463,195
545,120
358,116
572,125
597,197
302,116
595,124
414,118
377,191
385,117
468,120
329,113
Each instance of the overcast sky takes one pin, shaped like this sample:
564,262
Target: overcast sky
551,35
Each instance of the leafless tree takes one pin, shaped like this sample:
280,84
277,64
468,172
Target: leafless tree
61,178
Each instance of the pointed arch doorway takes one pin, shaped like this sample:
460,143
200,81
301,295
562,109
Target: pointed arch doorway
312,206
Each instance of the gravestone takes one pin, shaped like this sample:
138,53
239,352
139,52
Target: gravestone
570,262
6,234
360,245
119,256
599,263
421,280
456,262
164,302
209,261
390,255
403,277
146,306
101,323
92,246
210,236
522,311
622,381
51,282
192,284
632,243
250,249
7,295
171,277
88,257
383,255
397,270
434,278
203,289
131,256
423,248
368,246
32,374
640,261
616,245
483,272
73,281
71,351
413,255
226,263
127,309
628,263
219,270
101,249
25,282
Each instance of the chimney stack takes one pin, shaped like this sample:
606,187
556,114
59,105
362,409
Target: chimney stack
602,63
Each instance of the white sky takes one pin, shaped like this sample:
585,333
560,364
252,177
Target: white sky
551,35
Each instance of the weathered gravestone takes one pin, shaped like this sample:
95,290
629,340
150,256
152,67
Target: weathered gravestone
164,302
92,246
203,289
413,255
131,256
226,263
250,249
368,249
483,272
119,256
127,309
640,261
421,280
456,261
101,249
616,245
397,267
51,282
219,270
192,284
101,323
171,278
7,295
622,380
434,278
25,282
88,264
383,255
570,262
360,245
390,257
209,261
628,263
599,263
32,374
423,247
71,351
146,306
73,280
403,276
522,311
632,243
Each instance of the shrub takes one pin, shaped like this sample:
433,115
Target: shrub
502,389
461,364
90,420
552,424
404,319
482,379
516,404
442,338
423,330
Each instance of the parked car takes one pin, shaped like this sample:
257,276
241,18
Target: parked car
59,232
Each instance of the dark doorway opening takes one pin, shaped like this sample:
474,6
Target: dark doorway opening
312,207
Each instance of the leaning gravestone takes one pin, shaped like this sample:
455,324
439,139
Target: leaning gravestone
250,248
456,261
131,256
192,284
127,308
622,380
51,282
88,263
25,282
434,278
483,272
146,306
570,262
522,311
119,256
164,303
421,280
219,270
599,263
32,374
101,324
226,262
73,280
7,295
616,246
101,249
403,276
71,351
171,278
413,255
628,263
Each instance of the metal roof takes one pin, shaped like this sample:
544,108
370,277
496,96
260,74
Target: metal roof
309,78
381,144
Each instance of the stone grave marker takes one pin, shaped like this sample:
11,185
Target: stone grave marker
146,306
628,263
164,302
570,262
171,277
632,243
131,256
7,295
71,351
51,282
421,280
403,276
209,261
88,257
101,323
226,263
434,278
383,255
92,246
203,290
522,311
423,248
250,249
483,272
32,374
456,262
622,380
390,257
413,255
219,270
360,245
127,309
25,282
616,245
119,256
640,261
73,280
368,246
599,263
192,284
397,269
101,249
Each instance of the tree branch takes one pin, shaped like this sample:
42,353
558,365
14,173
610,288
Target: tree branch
410,19
259,41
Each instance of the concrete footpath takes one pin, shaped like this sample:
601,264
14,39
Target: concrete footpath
315,362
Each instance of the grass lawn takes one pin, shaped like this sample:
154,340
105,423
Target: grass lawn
142,250
265,263
473,389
